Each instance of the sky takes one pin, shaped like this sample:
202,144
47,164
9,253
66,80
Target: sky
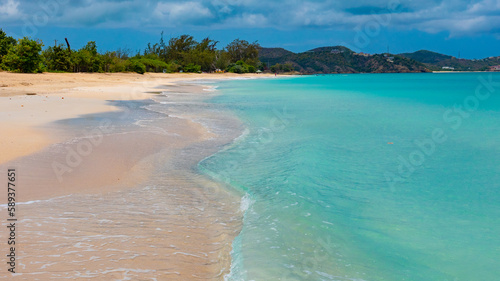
470,29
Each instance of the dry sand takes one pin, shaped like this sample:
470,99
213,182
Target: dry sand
129,208
64,95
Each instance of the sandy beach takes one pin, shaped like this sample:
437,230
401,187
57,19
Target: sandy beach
107,187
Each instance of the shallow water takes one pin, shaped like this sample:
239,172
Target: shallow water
131,207
365,177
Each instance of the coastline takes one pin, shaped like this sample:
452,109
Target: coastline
464,71
33,100
156,176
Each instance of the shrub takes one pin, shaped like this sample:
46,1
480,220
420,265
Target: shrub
173,67
276,68
24,57
6,42
86,61
237,69
136,66
118,65
241,67
287,67
191,67
57,59
152,65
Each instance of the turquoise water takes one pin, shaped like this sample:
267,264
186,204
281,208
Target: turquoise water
365,177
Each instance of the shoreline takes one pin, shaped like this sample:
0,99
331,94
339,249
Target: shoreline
166,171
86,93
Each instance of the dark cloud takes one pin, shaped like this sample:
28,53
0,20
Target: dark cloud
458,17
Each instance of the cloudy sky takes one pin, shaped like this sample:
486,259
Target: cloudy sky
448,26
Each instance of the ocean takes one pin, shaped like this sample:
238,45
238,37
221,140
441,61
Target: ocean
365,176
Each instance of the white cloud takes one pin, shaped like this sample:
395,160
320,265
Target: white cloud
246,20
9,9
184,12
99,13
486,6
457,17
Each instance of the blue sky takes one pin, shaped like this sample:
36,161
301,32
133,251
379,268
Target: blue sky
447,26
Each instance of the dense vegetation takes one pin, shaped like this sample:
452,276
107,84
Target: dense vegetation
425,56
185,54
436,61
180,54
336,59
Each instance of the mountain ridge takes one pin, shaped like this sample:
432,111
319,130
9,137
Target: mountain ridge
337,59
340,59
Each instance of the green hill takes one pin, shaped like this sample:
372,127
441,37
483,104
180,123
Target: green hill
273,52
339,59
332,49
436,61
425,56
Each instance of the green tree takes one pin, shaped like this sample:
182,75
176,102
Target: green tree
236,68
24,56
242,50
87,59
276,68
202,54
221,60
157,50
91,47
107,59
57,58
206,51
173,67
185,50
191,67
151,65
81,60
122,53
287,67
241,67
178,46
136,66
6,42
114,61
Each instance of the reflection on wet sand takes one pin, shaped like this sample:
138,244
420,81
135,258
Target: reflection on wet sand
133,207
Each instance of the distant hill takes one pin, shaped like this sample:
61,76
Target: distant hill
273,52
425,56
339,59
436,61
332,49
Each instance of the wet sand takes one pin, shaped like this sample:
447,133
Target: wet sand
106,173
